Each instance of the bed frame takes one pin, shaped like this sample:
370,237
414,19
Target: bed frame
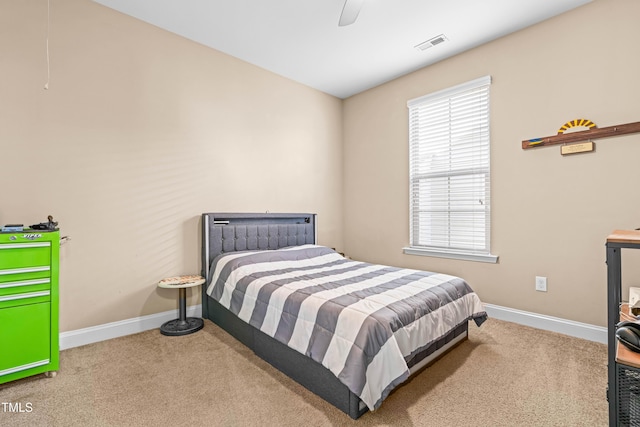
230,232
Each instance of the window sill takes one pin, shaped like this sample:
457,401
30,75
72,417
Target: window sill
489,258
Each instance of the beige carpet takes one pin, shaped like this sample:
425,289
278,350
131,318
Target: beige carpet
504,375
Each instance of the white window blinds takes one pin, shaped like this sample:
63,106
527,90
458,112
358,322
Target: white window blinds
449,169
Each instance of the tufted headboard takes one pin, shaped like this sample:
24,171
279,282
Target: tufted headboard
230,232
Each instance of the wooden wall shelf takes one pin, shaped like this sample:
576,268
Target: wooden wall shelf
584,135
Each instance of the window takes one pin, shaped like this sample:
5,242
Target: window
450,204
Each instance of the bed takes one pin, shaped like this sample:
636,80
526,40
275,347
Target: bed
348,331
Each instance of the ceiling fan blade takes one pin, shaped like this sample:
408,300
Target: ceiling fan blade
350,12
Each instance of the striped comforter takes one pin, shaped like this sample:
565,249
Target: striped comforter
361,321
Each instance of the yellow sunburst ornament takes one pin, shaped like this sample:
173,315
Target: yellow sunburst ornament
576,123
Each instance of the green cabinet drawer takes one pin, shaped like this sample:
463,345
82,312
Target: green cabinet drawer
24,286
26,343
25,298
26,273
20,255
24,261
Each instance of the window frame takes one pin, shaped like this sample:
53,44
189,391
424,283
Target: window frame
481,167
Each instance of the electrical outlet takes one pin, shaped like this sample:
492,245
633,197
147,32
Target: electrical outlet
541,284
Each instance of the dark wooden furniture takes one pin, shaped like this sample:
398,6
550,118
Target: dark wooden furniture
623,390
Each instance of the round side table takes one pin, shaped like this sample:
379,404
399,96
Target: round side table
183,325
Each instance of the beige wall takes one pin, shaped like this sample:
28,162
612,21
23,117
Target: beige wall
550,214
140,132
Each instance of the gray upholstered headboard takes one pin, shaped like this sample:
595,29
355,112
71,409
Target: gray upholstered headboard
230,232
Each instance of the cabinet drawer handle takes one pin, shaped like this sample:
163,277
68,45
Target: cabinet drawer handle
25,270
25,283
25,245
25,296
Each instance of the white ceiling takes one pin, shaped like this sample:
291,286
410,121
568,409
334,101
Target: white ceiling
301,39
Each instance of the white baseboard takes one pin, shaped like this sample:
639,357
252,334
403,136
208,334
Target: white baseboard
121,328
548,323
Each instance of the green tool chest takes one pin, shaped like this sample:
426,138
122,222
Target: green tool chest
28,303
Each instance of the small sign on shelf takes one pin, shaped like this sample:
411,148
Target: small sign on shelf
582,147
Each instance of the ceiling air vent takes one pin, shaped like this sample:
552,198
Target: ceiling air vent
431,42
